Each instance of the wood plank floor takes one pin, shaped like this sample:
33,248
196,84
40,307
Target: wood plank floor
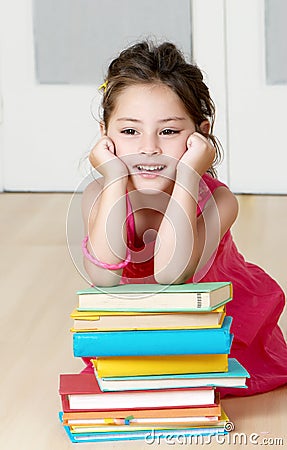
38,285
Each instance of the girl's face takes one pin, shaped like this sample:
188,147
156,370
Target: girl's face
149,128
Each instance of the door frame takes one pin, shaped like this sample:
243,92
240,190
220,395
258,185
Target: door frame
209,53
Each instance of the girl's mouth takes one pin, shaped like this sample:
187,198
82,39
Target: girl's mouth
150,170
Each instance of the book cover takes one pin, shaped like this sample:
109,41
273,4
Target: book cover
153,365
105,321
234,377
154,342
156,297
83,392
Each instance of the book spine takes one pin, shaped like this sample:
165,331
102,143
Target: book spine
199,300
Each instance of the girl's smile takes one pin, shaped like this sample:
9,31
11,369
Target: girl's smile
150,171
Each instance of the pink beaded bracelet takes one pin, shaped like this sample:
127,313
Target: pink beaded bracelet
95,261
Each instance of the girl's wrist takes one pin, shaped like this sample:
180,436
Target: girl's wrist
187,178
120,179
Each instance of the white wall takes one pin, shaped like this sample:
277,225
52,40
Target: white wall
48,128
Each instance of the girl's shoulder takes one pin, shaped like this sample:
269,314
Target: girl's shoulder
207,186
208,183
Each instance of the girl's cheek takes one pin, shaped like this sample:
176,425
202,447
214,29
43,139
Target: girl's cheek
123,148
180,151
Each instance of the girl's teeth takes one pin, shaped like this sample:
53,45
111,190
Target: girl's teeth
150,168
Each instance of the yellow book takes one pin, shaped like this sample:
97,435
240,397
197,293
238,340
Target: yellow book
124,366
104,321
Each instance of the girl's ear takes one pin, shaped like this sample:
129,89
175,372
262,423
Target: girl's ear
204,126
102,128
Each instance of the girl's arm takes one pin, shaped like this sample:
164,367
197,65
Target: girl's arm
104,215
220,212
186,243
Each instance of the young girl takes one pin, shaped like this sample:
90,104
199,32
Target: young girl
158,214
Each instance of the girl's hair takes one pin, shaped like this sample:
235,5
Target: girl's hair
147,63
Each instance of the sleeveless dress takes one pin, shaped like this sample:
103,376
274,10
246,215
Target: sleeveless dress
257,304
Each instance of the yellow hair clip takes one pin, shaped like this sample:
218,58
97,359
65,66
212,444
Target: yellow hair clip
104,86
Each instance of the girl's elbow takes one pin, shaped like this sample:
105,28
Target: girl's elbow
101,277
171,277
168,279
177,272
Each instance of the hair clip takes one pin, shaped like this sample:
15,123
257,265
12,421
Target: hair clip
104,86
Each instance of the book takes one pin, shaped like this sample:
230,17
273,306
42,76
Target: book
153,365
234,377
156,297
96,426
154,342
83,392
149,436
111,320
205,410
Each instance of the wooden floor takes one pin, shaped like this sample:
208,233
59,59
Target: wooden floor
38,285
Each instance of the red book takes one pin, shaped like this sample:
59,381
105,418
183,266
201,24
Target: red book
205,410
81,392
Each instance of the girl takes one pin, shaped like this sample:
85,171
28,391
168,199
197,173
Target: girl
158,214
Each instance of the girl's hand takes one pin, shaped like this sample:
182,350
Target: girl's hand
199,155
103,159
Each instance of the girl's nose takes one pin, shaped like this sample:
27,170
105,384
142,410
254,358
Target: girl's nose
150,152
150,146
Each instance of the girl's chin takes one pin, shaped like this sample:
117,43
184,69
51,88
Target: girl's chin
150,184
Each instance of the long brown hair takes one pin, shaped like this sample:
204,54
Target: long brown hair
147,63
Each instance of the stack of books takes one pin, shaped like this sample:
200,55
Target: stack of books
158,353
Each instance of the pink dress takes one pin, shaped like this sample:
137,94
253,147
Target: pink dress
257,304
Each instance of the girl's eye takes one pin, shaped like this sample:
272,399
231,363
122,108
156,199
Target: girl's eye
129,131
168,131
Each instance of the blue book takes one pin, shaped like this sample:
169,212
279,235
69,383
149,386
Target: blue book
150,436
154,342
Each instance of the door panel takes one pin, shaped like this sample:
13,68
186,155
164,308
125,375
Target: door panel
257,110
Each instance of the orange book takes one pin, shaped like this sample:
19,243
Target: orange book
97,320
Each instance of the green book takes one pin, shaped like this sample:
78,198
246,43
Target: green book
235,377
156,297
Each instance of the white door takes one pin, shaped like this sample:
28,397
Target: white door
47,126
256,47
